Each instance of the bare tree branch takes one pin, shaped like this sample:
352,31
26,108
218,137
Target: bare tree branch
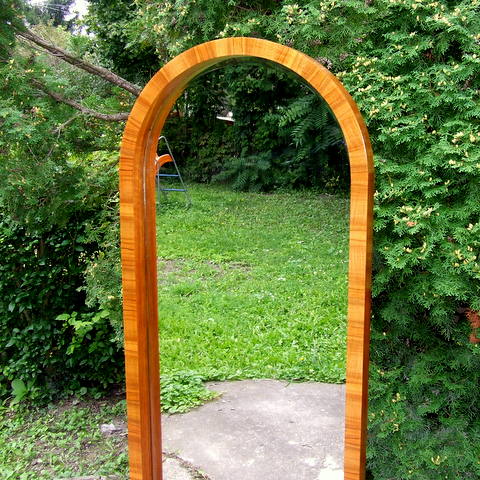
79,63
109,117
61,127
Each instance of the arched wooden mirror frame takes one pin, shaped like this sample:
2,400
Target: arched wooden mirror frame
138,242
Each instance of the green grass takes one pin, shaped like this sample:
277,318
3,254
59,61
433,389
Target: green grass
62,441
254,285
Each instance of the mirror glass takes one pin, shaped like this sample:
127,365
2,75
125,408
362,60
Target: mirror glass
252,234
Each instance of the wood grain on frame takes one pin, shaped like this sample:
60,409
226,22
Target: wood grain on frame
138,243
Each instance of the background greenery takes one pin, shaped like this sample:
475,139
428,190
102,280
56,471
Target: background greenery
413,68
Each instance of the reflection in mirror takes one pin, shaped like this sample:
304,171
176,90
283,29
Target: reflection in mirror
252,234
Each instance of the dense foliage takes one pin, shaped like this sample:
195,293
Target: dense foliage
57,210
413,68
419,86
283,136
51,342
111,23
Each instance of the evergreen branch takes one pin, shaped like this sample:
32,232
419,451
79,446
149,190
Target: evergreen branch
113,117
58,52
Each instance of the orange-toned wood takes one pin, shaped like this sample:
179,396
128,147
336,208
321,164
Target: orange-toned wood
162,160
137,218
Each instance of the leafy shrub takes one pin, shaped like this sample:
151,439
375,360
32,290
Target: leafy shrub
252,173
58,211
50,341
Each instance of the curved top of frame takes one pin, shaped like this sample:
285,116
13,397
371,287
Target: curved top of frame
168,83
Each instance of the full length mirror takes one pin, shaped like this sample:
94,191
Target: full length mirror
137,188
252,276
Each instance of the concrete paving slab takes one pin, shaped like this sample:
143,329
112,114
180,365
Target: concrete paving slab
174,470
263,430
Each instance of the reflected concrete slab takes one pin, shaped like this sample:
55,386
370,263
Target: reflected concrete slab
263,430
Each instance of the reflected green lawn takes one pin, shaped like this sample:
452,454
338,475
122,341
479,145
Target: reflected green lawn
253,285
